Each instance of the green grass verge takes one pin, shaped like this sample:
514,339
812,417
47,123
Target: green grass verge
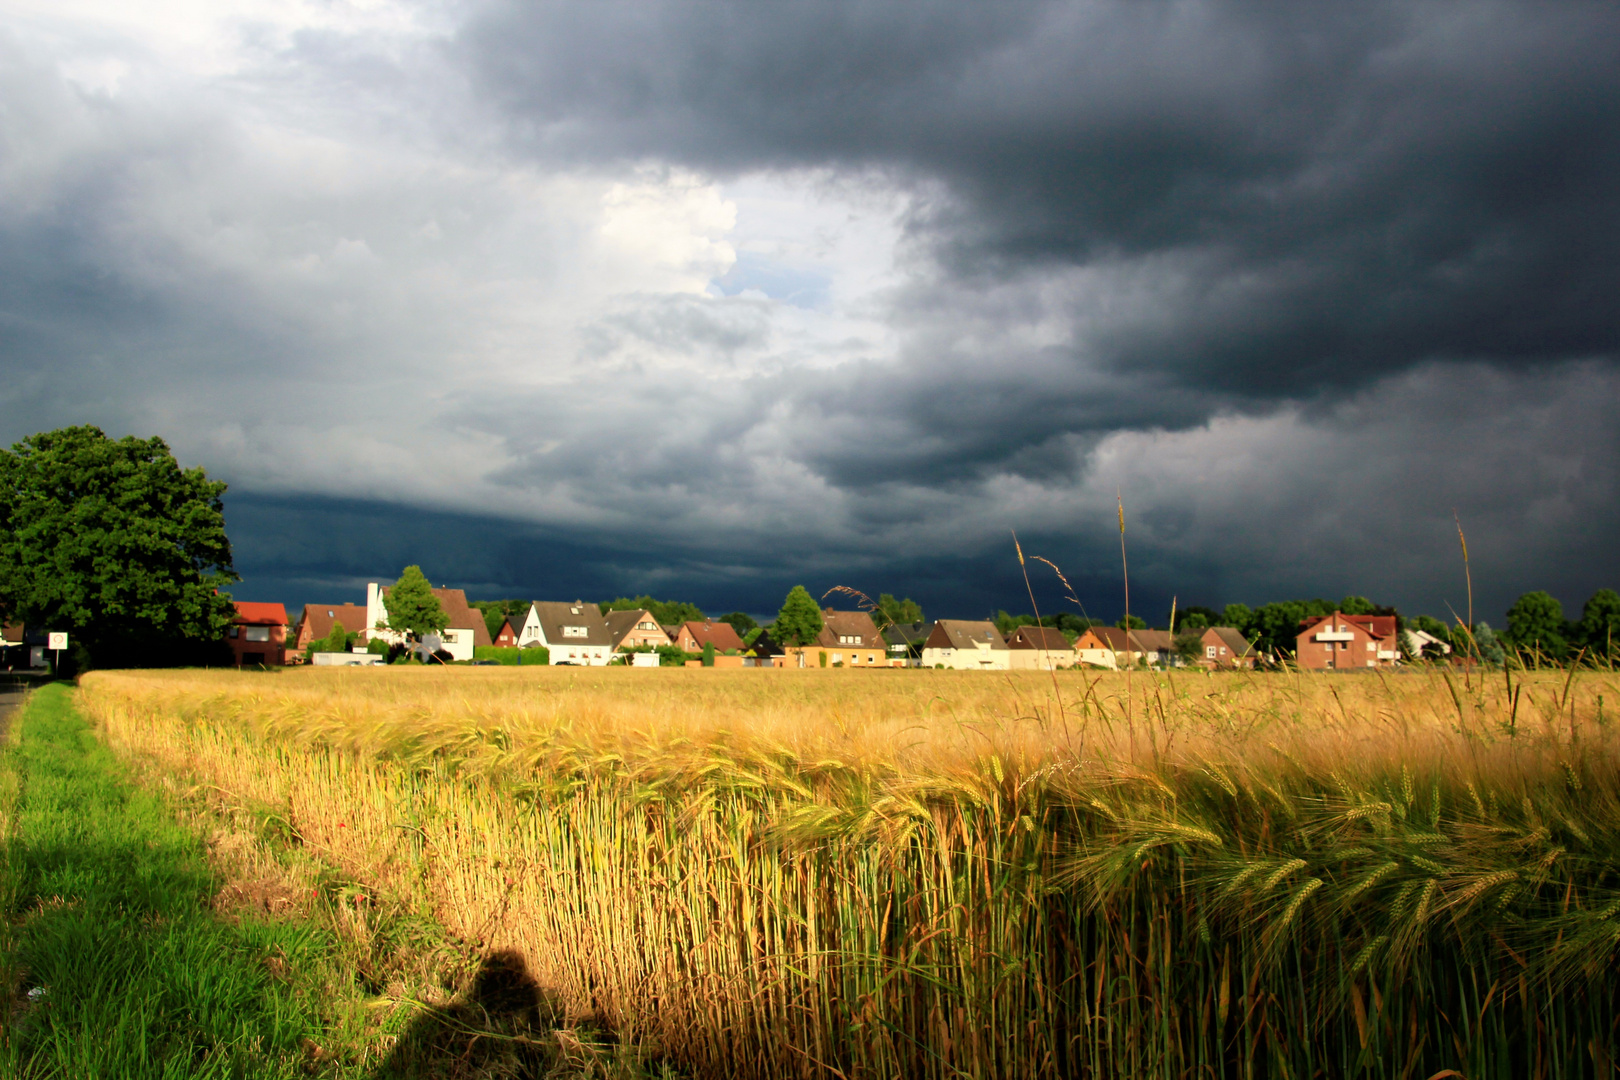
114,962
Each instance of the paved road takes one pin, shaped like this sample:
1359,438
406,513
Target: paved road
10,698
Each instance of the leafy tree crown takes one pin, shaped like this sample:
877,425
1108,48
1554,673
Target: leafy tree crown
899,611
112,541
799,621
1536,621
412,607
740,622
1600,622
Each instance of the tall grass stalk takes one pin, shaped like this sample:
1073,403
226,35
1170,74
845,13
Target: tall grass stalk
888,873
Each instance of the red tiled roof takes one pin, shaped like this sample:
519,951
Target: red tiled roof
721,634
258,614
1378,626
317,620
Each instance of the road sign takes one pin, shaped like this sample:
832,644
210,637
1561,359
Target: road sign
57,640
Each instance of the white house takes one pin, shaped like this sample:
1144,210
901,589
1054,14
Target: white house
466,630
1418,640
574,633
966,646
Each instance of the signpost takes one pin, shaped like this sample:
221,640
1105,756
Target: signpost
56,640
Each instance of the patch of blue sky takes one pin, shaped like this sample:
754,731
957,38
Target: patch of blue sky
753,272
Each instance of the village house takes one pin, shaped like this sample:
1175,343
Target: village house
847,639
1225,647
851,639
1113,648
506,636
635,630
572,633
20,649
315,624
1421,644
1040,648
1340,642
258,636
763,652
966,646
906,642
1102,646
465,632
692,636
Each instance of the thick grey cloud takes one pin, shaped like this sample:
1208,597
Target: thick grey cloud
1307,195
710,299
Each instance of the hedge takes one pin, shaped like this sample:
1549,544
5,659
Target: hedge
510,654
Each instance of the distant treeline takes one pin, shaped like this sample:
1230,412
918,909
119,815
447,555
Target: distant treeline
1535,624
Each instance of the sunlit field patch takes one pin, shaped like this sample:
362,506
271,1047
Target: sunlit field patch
931,873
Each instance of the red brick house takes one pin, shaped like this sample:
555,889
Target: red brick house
692,636
1225,647
1111,647
506,636
1340,642
259,634
315,624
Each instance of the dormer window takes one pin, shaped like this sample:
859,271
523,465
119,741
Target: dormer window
575,631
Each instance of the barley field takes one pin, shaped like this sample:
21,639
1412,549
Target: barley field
942,874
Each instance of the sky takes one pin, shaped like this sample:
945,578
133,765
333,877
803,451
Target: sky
706,300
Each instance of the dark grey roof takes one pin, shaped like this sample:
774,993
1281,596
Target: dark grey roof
554,616
908,633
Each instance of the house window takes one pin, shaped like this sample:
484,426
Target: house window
235,630
574,631
256,633
644,626
838,658
1369,646
1209,651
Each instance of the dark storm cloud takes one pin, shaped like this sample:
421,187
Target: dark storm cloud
1296,279
1318,194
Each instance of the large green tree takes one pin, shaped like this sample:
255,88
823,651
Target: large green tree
739,621
898,612
799,621
115,543
412,607
496,612
1600,623
1536,623
1239,617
